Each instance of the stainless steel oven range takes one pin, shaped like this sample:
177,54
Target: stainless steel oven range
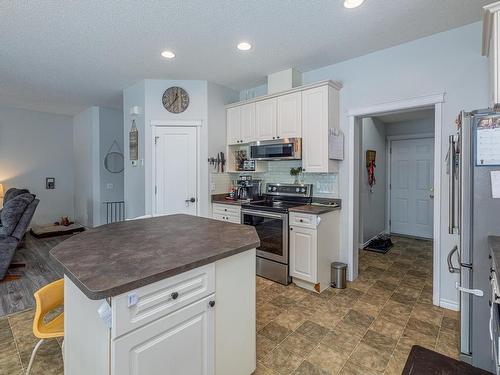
269,216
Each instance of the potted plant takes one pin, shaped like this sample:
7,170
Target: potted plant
295,172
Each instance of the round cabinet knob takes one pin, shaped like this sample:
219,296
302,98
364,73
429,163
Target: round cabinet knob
274,188
297,190
301,220
174,295
303,190
274,137
211,303
291,228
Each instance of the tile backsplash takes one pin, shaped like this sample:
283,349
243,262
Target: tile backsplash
324,184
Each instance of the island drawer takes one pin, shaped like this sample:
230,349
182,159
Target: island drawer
229,218
226,209
151,302
303,220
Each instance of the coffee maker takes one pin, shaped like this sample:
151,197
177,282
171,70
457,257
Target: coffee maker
248,188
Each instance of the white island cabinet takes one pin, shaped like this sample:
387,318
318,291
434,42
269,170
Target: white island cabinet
156,297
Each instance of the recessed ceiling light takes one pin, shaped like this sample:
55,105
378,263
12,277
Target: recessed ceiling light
244,46
349,4
168,54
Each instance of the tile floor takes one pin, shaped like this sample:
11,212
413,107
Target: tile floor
367,328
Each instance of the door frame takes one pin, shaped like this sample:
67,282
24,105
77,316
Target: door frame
388,143
353,167
197,124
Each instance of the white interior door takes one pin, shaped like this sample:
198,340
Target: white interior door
412,177
175,170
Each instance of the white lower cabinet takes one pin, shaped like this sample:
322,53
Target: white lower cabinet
314,245
303,253
226,212
180,343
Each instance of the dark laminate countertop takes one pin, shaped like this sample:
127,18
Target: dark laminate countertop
318,210
119,257
221,198
494,244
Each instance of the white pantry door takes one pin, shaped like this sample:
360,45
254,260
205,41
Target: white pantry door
175,170
412,178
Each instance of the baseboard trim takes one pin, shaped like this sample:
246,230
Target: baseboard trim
447,304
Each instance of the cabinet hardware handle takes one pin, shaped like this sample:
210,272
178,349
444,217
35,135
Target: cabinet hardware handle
225,209
174,295
301,220
278,137
291,228
211,303
274,137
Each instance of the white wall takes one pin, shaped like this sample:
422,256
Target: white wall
421,126
448,62
33,146
373,201
86,167
206,104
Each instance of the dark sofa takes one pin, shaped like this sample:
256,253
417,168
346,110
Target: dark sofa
19,205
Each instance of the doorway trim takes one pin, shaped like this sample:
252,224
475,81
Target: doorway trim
388,145
354,150
175,123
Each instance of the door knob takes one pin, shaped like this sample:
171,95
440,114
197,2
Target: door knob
192,200
174,295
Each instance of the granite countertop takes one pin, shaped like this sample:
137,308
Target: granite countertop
113,259
494,245
221,198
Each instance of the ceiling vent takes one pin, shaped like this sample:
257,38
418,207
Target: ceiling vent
284,80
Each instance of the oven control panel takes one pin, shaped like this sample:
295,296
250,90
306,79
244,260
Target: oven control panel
295,190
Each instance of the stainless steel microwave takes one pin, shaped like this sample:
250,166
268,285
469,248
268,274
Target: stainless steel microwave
281,149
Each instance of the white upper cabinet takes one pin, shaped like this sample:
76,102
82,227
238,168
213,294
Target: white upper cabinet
248,133
234,126
320,108
491,48
289,119
266,119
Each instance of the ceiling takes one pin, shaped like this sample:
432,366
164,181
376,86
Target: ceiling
403,116
62,56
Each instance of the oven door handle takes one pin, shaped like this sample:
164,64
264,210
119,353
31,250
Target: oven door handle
263,214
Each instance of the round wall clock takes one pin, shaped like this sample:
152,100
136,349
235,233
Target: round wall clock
175,99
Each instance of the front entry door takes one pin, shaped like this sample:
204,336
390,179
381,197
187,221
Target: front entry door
412,178
175,170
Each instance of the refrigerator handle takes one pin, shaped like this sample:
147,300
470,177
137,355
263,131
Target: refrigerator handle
450,263
451,187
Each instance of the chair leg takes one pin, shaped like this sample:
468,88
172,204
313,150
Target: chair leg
35,349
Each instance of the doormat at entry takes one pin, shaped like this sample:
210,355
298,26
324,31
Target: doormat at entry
381,244
423,361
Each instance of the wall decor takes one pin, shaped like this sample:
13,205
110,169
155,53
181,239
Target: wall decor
113,161
175,99
133,136
50,183
371,155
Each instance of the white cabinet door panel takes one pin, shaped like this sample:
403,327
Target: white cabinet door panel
266,119
315,130
289,123
181,343
234,125
248,133
303,254
412,177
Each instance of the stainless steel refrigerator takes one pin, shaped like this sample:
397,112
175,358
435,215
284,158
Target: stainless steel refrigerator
474,214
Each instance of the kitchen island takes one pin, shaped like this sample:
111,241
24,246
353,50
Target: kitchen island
167,295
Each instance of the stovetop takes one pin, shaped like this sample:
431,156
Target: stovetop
281,197
273,205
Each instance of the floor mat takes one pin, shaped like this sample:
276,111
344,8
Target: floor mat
381,244
423,361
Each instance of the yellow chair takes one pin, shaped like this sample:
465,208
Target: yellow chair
47,299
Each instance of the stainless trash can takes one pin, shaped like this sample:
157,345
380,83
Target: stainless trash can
339,275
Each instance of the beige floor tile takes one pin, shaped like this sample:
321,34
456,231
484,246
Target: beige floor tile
282,361
267,312
292,318
275,332
366,308
379,341
367,356
282,302
312,331
264,346
387,328
262,370
422,327
428,313
327,359
396,312
298,344
307,368
450,323
351,368
345,341
403,298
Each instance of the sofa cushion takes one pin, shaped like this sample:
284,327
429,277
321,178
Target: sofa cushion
8,247
13,211
12,193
